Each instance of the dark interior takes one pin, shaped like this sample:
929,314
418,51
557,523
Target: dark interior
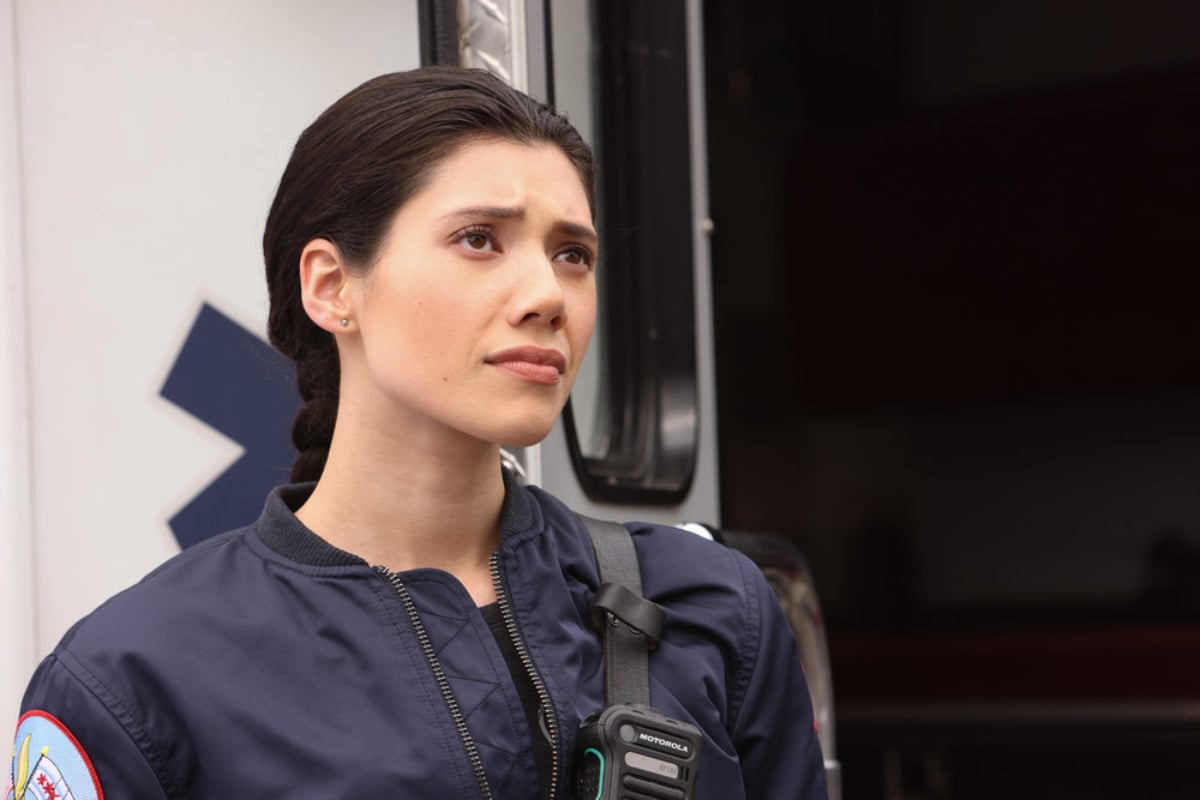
958,364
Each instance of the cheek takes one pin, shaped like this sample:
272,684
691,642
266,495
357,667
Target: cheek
429,317
585,316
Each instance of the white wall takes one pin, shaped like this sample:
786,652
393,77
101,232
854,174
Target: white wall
152,136
16,531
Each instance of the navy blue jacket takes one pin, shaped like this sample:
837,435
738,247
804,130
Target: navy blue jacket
267,663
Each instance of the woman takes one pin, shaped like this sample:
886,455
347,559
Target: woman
405,620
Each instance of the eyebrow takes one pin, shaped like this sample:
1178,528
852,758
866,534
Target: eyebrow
573,229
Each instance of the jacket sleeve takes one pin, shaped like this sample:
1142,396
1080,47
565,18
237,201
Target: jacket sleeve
62,709
774,731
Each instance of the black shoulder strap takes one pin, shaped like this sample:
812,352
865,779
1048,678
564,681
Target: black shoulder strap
629,623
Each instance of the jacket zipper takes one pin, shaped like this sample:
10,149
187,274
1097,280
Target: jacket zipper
460,722
545,706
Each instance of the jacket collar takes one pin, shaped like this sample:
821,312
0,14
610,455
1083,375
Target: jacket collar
280,530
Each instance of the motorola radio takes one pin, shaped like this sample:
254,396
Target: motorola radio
632,750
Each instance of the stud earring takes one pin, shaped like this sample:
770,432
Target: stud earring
345,322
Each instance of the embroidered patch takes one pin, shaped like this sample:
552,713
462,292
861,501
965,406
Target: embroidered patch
49,764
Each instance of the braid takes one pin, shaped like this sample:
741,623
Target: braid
312,431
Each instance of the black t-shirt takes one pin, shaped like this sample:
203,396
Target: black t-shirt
529,698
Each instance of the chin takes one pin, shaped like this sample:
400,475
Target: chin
524,439
525,434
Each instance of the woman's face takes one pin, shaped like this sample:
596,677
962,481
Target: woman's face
482,301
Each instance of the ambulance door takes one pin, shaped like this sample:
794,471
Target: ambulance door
637,440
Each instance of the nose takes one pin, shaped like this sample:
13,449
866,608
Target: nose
538,295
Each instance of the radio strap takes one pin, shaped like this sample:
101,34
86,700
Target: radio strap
629,624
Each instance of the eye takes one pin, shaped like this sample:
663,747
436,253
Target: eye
479,239
576,254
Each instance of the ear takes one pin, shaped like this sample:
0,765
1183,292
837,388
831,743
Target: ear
325,284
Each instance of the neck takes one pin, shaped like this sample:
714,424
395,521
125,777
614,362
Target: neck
411,501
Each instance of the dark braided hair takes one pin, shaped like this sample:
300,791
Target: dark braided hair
349,174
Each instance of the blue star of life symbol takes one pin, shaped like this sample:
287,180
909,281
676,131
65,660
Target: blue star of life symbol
230,379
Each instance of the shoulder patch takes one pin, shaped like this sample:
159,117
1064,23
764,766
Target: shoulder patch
49,763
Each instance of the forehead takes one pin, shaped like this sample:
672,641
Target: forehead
506,173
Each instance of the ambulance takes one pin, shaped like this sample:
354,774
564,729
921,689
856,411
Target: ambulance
140,145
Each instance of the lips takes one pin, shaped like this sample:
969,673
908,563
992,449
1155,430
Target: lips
536,364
